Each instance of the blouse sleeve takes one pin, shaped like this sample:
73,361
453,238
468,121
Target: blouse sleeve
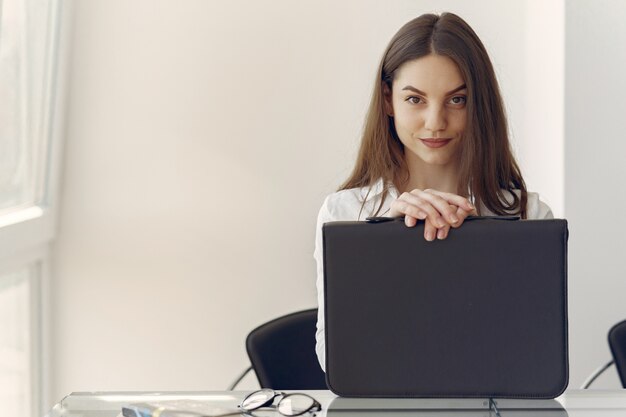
537,209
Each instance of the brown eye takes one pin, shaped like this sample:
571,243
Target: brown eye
458,100
414,100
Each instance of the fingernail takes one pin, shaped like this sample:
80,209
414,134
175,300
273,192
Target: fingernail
441,234
430,237
454,219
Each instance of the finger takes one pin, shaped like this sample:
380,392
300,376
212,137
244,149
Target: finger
399,206
430,231
443,208
409,207
463,214
454,199
467,213
432,214
412,204
410,221
443,232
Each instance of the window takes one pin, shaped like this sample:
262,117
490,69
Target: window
15,342
30,110
25,30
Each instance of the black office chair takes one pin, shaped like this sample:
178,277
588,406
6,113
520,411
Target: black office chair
282,353
617,343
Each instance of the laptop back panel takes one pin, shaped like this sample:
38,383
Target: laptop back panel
482,313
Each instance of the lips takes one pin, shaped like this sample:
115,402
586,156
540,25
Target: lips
435,143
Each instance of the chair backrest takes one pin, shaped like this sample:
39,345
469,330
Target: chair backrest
282,353
617,342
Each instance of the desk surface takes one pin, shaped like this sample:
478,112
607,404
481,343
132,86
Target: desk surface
574,403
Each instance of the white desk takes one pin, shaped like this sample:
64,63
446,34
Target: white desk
574,403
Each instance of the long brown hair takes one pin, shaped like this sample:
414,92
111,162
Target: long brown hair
487,170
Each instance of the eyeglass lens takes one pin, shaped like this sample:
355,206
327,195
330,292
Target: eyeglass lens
258,399
295,404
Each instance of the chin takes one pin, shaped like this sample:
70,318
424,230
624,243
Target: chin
436,159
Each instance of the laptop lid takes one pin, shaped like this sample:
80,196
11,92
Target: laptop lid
482,313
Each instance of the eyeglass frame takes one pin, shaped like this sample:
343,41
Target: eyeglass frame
315,407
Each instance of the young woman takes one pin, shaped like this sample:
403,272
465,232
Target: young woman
435,145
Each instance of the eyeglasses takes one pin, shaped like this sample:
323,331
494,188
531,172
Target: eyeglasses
289,405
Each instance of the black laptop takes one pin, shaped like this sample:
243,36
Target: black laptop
482,313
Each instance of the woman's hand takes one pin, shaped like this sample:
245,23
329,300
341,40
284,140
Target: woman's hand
439,210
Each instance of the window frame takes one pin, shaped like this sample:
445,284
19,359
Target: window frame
27,233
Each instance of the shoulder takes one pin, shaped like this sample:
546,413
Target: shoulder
355,203
536,209
343,205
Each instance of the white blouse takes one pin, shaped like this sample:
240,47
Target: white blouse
345,205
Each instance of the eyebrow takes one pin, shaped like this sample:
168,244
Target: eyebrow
411,88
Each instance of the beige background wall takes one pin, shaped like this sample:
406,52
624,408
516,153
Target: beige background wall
202,137
595,173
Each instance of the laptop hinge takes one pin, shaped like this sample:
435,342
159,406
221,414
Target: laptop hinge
493,406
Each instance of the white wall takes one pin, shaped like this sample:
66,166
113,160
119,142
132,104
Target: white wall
202,138
595,173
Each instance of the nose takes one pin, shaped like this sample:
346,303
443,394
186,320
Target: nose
435,119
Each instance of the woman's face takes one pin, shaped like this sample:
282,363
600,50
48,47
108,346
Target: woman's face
428,104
